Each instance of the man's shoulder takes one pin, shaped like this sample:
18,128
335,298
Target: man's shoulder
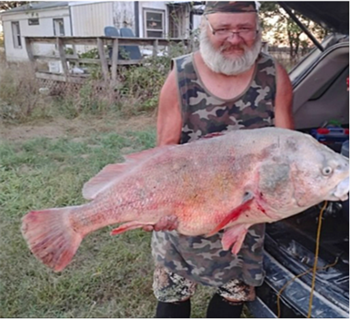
266,65
265,57
182,61
183,57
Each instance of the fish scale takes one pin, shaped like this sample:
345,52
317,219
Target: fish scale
222,182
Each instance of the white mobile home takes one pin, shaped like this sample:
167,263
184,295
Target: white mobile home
152,19
145,18
34,19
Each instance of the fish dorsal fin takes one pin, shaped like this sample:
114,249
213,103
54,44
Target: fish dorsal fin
103,180
143,155
111,173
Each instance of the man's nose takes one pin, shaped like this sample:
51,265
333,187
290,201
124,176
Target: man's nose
234,38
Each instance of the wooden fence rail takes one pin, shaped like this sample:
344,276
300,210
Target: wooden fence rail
108,65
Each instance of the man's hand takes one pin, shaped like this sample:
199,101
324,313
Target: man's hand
169,222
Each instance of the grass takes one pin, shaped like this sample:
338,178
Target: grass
109,276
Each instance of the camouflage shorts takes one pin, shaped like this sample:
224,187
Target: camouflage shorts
171,287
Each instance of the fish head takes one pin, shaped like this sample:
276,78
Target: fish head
302,174
318,173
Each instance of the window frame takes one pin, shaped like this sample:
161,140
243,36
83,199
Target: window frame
35,20
16,37
54,21
146,30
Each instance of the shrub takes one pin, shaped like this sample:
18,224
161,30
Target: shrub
22,96
141,85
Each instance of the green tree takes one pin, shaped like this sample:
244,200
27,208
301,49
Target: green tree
277,23
7,5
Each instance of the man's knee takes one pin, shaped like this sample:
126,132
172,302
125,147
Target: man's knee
237,291
169,287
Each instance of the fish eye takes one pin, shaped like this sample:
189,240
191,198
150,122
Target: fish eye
327,171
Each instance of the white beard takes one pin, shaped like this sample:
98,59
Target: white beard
218,63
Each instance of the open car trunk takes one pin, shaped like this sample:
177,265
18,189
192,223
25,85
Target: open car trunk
321,97
320,93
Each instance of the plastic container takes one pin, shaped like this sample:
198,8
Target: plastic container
333,137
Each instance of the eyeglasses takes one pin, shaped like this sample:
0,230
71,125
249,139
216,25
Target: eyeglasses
222,34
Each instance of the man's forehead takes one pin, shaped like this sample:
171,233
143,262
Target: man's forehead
230,7
232,18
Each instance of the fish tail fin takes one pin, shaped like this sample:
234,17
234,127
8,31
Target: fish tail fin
50,236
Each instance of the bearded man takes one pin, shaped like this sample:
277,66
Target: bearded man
228,85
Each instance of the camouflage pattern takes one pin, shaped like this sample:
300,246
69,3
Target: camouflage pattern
171,287
202,260
203,113
229,7
199,259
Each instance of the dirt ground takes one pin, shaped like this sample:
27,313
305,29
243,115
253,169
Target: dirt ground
78,127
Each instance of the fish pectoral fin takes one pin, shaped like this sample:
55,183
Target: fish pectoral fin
214,134
128,226
235,213
168,222
235,236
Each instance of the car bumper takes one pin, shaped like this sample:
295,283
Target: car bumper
294,299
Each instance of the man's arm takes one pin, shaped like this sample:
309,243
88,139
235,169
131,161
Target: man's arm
284,99
169,122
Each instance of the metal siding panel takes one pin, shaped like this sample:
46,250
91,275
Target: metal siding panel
90,19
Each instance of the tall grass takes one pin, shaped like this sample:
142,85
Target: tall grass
109,276
19,93
137,90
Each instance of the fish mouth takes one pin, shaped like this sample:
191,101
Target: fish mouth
341,192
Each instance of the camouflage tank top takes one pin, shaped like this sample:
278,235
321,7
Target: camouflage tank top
198,258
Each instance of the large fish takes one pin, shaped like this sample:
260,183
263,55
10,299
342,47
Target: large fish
225,182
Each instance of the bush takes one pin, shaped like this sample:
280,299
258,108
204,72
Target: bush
141,85
136,92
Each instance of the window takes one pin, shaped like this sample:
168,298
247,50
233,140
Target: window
33,21
154,23
58,27
16,35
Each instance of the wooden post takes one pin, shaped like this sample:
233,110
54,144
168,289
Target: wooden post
114,60
75,54
74,50
155,48
30,53
101,52
62,54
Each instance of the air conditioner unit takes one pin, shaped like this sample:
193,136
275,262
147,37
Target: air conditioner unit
55,67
